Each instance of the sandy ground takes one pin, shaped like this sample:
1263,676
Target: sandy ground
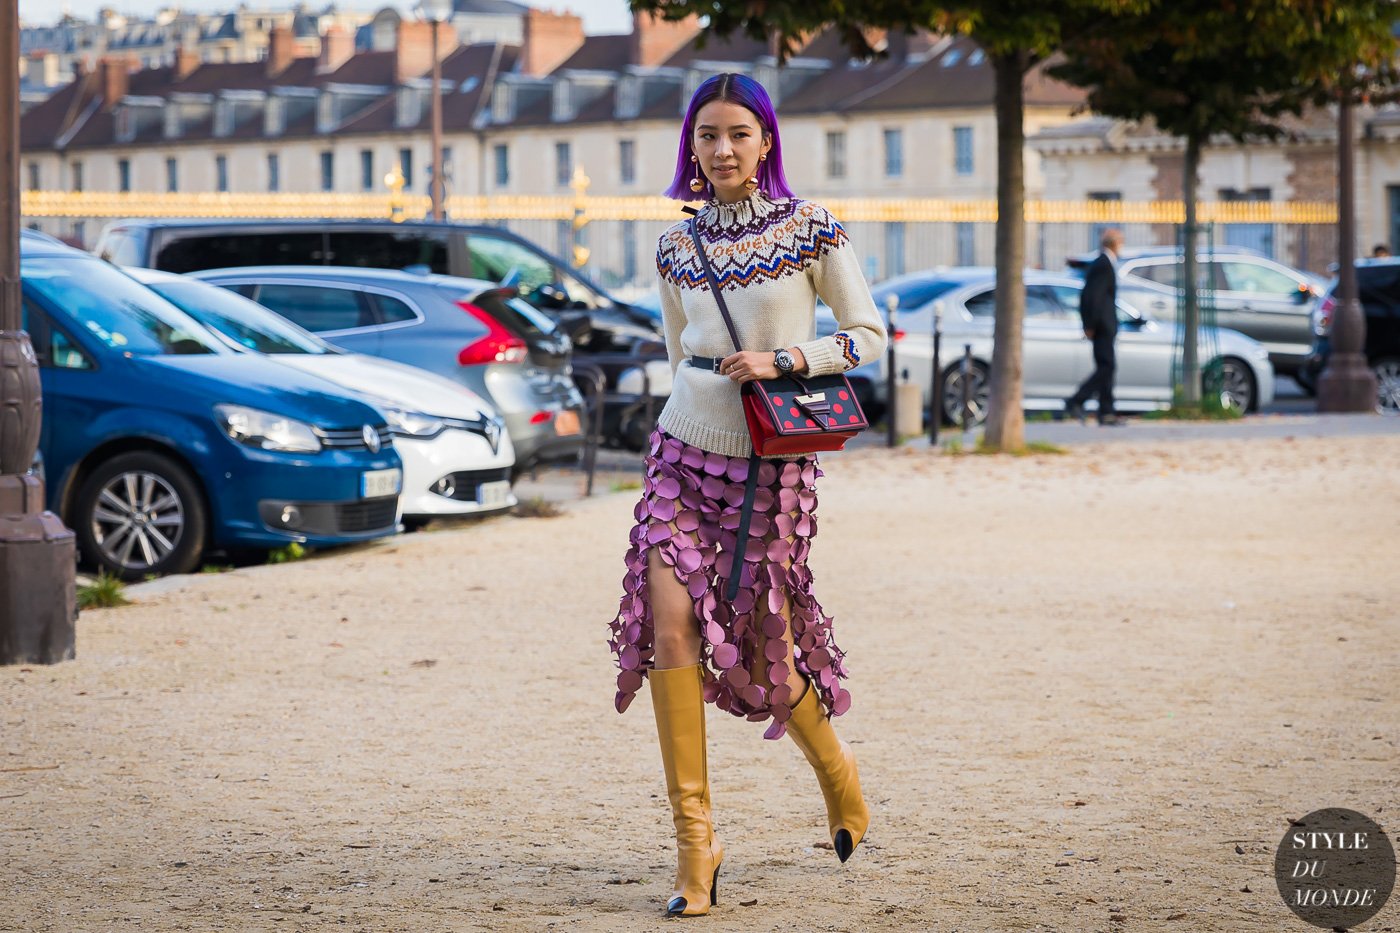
1080,682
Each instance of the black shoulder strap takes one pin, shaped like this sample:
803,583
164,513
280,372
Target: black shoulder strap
714,283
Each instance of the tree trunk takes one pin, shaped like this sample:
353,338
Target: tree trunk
1191,313
1006,419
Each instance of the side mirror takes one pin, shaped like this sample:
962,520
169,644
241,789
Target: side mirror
551,296
1304,294
576,326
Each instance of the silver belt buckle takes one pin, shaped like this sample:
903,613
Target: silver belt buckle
714,364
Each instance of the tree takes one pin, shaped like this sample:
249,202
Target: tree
1205,68
1016,35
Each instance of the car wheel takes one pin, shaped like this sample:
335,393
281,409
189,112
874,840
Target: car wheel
953,393
1237,389
1387,386
141,513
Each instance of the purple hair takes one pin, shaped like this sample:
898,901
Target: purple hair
748,93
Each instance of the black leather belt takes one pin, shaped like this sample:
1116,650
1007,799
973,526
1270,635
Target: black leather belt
706,362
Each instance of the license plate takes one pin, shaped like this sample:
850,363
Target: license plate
376,484
496,493
566,422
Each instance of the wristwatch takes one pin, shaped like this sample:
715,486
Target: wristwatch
783,360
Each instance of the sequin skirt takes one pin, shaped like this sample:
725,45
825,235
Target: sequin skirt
689,511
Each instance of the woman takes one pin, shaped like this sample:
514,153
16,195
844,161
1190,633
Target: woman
768,654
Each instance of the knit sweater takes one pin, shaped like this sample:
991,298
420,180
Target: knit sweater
773,259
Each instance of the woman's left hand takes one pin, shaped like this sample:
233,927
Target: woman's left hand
748,365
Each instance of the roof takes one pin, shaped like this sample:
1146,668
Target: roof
600,53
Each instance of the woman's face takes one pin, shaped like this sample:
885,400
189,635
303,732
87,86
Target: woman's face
728,140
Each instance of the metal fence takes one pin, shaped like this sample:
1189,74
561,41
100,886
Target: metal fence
614,238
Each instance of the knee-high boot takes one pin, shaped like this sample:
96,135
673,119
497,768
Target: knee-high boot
846,813
679,704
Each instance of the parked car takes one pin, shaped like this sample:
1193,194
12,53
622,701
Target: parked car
161,442
1056,356
471,332
457,454
1378,288
1250,293
597,322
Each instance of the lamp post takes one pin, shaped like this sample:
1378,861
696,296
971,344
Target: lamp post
1347,384
36,552
436,13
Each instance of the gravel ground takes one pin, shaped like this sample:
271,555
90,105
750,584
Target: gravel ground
1080,683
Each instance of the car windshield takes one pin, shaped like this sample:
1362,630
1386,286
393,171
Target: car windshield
115,308
241,320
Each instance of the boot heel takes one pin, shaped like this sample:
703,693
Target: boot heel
714,888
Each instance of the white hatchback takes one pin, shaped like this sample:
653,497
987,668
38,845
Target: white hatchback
457,455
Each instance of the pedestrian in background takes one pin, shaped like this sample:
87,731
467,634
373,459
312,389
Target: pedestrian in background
768,653
1098,310
1380,251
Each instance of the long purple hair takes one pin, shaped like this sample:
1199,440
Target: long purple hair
748,93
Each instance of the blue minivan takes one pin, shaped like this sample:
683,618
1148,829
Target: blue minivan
160,442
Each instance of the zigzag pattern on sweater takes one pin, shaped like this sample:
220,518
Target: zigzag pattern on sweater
784,244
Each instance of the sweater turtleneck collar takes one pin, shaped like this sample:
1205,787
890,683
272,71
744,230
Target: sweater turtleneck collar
756,205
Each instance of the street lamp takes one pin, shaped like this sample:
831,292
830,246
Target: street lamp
1347,383
436,13
36,551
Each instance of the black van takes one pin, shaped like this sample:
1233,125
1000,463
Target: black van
469,251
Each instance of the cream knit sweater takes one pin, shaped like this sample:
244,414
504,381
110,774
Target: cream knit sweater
773,259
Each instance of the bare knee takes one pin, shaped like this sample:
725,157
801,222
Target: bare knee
676,634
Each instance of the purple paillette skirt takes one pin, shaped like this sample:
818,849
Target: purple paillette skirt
689,510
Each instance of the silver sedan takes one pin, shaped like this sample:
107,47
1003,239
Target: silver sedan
1057,356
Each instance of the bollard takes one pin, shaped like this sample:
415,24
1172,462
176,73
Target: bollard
891,307
965,371
909,407
935,394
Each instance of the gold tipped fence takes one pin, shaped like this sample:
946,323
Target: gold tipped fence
109,204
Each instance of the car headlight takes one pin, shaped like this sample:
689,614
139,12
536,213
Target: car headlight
412,423
266,430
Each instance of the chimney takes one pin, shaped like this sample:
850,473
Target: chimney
337,48
548,41
654,39
186,61
413,48
115,76
41,69
281,49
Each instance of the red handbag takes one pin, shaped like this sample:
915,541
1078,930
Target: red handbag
789,414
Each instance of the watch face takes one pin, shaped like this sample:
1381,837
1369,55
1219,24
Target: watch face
784,360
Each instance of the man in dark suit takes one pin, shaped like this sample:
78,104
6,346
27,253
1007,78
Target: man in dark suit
1098,309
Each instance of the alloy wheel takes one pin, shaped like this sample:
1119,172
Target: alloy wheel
138,520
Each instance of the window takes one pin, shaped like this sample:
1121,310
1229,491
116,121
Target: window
221,172
1163,273
563,164
79,233
492,258
406,167
1040,302
328,171
317,308
500,154
1257,279
123,174
393,310
1096,231
629,250
962,150
33,176
274,172
366,169
836,154
242,321
172,175
77,176
894,248
967,243
894,153
64,353
389,249
627,160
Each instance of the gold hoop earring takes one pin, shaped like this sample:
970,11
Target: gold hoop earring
697,184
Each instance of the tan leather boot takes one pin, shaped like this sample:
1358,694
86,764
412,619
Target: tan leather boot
679,704
846,813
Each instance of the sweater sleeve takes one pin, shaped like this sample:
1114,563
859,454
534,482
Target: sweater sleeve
836,277
672,311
